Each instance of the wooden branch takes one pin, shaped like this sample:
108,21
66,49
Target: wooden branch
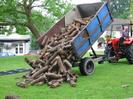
36,6
21,12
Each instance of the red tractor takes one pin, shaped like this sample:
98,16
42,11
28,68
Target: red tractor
120,43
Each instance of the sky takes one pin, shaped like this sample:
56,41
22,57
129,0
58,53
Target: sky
39,2
84,1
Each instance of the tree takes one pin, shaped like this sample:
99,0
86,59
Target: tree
131,10
34,15
120,8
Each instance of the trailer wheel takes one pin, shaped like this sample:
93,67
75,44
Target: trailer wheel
129,54
86,66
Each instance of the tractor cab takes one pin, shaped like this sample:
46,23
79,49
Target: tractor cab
120,43
121,33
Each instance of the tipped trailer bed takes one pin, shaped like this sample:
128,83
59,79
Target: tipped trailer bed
83,41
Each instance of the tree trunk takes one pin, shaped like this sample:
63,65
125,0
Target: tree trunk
33,29
30,23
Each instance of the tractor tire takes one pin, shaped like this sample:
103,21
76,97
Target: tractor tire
86,66
129,54
109,53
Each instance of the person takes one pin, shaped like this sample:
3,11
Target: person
125,34
108,37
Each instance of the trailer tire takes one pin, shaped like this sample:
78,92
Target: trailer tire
86,66
129,54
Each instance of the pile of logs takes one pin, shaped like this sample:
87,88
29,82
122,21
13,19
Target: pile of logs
55,59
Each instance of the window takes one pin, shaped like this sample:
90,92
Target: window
20,50
21,47
16,51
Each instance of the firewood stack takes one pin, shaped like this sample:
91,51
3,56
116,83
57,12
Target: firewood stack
55,59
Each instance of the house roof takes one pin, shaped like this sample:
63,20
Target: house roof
118,21
121,21
14,37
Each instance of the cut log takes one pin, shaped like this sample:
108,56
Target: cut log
80,21
30,63
44,69
60,64
40,79
45,40
44,49
67,64
54,83
53,76
54,65
52,57
72,83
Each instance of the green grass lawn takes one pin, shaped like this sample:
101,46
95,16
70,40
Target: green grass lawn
14,62
105,83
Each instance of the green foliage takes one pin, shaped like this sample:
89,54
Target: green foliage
10,12
13,11
34,44
57,8
131,10
21,30
120,8
23,15
43,23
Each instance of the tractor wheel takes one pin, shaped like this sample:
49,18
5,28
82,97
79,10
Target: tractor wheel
129,54
86,66
109,53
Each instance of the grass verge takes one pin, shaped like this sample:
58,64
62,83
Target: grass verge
106,83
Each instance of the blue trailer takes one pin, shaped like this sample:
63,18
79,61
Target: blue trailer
83,41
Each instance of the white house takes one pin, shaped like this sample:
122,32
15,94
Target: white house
15,43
